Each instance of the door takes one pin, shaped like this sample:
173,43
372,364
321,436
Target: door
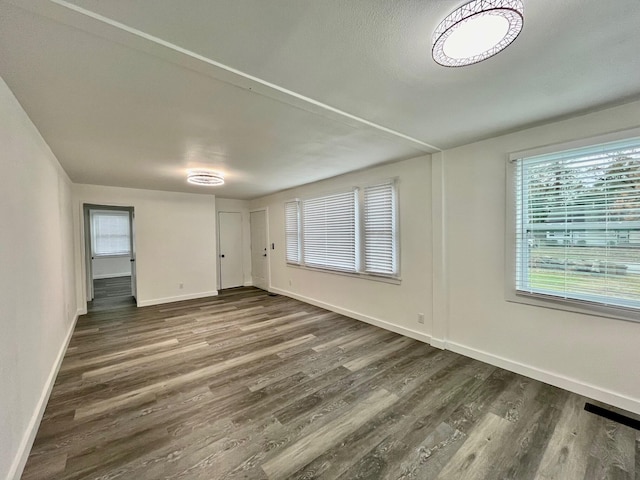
259,249
230,241
132,260
88,252
112,250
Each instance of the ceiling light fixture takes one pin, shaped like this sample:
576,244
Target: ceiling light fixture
205,177
476,31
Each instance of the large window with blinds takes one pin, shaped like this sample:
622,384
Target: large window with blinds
329,231
578,225
354,231
110,232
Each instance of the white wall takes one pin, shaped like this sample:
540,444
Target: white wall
392,306
239,206
452,218
175,238
453,215
595,356
37,290
109,267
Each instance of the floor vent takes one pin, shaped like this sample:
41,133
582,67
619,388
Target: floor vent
616,417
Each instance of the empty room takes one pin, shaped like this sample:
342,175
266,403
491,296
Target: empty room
296,239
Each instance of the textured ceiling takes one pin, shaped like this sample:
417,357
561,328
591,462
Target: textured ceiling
280,93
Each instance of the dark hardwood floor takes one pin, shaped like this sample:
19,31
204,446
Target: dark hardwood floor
249,386
110,293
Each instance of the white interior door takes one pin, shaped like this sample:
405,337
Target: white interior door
259,249
230,241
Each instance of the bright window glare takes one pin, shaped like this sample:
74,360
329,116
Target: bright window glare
476,35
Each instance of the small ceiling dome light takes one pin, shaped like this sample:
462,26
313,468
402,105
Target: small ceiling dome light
205,177
476,31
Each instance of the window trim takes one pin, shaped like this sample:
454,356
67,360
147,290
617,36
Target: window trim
395,278
367,276
538,299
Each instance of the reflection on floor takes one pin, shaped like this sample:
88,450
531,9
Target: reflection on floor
109,293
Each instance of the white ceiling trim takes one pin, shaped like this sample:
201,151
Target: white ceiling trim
96,24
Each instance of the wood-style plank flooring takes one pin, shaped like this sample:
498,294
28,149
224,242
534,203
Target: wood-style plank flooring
110,293
249,386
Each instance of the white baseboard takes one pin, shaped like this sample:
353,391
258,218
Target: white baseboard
112,275
438,343
20,460
552,378
248,284
407,332
178,298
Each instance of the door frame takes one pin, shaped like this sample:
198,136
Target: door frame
219,262
268,242
87,253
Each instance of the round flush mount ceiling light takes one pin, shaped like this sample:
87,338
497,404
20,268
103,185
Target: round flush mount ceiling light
476,31
205,177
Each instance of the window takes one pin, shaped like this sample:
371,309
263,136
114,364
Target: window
292,238
329,232
380,229
353,231
110,232
578,225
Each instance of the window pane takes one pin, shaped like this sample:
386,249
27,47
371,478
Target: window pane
578,224
110,232
292,231
329,237
380,229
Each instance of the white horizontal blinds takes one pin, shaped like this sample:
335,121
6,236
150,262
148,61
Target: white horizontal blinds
329,226
110,232
578,218
292,231
380,229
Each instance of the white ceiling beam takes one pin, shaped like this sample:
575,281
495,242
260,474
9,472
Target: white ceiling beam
99,25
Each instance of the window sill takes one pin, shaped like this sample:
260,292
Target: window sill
574,306
365,276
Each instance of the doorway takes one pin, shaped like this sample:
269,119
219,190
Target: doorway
259,242
109,257
230,242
